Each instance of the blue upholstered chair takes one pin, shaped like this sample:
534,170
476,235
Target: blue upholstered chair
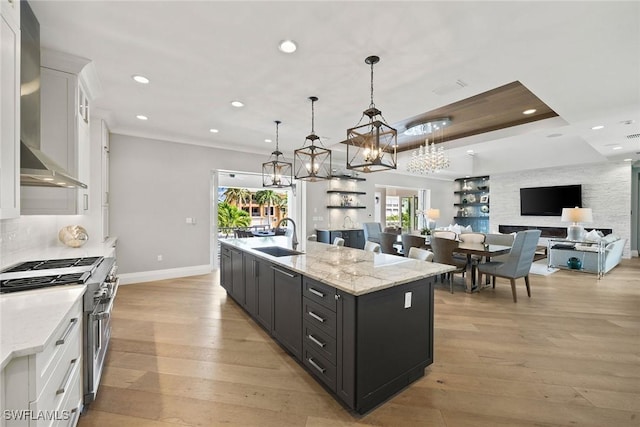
517,264
372,231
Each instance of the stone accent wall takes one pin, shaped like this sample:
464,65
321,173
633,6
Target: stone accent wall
606,189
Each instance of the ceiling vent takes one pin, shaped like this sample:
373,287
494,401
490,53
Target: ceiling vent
633,136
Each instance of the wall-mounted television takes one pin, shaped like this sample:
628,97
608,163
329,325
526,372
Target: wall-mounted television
549,201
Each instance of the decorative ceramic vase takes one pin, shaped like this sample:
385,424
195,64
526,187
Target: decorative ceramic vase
574,263
73,236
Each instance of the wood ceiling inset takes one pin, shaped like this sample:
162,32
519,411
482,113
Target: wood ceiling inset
495,109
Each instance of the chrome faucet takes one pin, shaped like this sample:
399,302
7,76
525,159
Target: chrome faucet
344,223
294,238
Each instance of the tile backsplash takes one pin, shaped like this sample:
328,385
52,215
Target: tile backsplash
21,235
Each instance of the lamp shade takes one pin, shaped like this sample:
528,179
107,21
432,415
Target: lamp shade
433,213
577,214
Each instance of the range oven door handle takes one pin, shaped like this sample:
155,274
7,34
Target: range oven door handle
106,313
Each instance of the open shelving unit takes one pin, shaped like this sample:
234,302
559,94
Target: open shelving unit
470,209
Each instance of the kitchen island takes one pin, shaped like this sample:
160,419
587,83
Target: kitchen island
361,323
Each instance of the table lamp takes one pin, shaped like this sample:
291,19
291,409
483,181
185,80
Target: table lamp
575,216
432,214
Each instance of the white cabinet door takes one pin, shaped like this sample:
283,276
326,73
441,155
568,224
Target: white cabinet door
100,176
9,116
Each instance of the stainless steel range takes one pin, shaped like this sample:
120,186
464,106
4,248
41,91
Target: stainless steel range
99,275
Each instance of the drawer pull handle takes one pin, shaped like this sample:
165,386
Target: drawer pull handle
67,331
316,341
67,377
315,316
286,273
315,365
316,293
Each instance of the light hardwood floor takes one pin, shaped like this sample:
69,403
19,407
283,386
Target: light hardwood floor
182,353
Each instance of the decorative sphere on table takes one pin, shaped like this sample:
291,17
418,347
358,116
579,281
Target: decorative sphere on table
73,236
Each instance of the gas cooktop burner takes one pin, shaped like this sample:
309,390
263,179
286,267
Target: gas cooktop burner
53,263
27,283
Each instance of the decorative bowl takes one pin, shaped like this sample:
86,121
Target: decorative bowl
73,236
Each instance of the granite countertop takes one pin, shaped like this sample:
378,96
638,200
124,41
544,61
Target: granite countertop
28,319
354,271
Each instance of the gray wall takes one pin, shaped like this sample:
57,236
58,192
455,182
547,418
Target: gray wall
155,185
606,189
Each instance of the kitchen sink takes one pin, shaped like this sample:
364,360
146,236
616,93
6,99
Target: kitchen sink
278,251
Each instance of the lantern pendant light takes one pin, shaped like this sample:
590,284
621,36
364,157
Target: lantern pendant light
276,173
312,162
372,147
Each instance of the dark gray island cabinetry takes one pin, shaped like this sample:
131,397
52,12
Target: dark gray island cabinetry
360,323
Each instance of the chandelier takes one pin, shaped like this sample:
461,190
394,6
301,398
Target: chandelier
276,173
428,159
371,147
312,163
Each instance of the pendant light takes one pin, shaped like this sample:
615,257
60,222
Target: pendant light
311,162
372,147
276,173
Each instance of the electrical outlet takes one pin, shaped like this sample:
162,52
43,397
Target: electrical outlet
159,257
407,300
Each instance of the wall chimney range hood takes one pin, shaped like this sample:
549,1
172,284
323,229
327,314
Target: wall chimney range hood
36,168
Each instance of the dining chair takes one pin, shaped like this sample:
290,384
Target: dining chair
338,241
372,231
412,241
242,233
517,264
372,247
387,241
443,253
421,254
472,237
444,234
499,239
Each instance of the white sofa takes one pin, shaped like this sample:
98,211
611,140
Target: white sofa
588,254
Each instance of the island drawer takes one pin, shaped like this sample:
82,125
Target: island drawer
319,316
320,341
320,367
320,293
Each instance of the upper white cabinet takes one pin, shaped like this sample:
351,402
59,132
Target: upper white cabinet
9,109
65,133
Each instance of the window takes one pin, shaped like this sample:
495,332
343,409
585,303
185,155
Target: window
255,211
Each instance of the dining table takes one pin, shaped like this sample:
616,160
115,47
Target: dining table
484,252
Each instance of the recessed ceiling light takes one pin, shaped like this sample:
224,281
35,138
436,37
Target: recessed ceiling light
529,111
470,151
237,104
597,127
628,160
213,130
617,147
267,140
141,117
287,46
140,79
47,179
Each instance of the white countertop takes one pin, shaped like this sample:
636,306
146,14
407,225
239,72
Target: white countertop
354,271
28,319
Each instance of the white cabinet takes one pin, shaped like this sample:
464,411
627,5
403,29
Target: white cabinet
100,175
48,382
10,109
65,138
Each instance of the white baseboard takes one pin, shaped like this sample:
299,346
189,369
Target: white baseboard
171,273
